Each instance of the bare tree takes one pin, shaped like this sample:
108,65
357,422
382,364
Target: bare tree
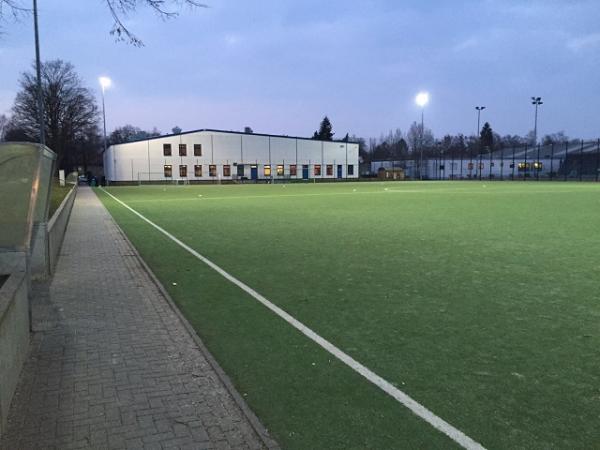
71,114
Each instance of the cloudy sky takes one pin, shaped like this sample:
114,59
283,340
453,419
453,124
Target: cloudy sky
279,66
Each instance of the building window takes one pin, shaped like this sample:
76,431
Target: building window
166,149
168,171
197,170
293,170
267,171
537,165
227,170
212,170
240,170
329,169
182,150
183,171
350,169
523,166
197,149
317,170
280,171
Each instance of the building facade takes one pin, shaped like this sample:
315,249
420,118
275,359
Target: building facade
215,155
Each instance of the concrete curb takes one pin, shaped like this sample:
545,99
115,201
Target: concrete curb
257,426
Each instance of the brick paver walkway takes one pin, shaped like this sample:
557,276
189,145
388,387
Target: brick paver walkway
111,364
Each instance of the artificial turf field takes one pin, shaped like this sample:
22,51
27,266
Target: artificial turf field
479,300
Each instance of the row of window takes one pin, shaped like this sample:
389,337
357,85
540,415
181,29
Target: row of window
167,151
280,170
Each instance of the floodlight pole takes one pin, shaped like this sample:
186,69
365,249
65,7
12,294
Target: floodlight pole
536,101
103,116
479,109
421,143
40,102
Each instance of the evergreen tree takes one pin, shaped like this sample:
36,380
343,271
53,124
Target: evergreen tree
487,137
325,132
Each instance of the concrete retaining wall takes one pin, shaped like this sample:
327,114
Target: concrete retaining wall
14,327
57,226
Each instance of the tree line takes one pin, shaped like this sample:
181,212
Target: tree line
397,145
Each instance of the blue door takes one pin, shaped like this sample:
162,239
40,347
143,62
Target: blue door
305,171
339,171
254,172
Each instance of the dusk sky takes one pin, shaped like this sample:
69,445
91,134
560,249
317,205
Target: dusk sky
279,66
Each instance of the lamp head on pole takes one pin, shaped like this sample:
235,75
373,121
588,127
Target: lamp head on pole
422,99
536,101
480,108
105,82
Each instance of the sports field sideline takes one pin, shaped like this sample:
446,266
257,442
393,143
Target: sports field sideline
478,300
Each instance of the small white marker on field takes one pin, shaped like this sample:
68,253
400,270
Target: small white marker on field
174,284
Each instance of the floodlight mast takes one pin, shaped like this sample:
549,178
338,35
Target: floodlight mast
38,76
104,84
422,99
479,109
536,101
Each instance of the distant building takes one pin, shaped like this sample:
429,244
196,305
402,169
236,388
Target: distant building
211,155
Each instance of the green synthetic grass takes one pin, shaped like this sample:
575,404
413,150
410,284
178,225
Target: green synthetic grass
479,300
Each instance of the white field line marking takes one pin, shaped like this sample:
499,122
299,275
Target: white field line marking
435,421
326,194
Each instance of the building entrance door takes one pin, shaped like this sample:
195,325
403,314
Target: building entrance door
305,171
254,172
339,171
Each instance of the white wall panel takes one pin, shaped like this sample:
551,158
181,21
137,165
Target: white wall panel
221,148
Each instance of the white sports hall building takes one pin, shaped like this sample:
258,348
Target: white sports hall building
216,155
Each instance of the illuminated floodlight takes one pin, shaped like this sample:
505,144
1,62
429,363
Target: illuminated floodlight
105,82
422,99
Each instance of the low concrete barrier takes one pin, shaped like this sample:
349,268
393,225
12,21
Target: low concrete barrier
57,226
14,326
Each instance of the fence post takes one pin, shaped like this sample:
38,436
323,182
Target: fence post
501,163
566,159
512,177
525,168
597,159
551,160
581,162
537,170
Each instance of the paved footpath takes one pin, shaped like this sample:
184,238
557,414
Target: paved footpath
111,364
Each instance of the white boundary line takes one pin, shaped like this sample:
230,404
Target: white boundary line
435,421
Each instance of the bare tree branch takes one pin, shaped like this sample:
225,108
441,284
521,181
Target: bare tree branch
119,9
11,9
122,8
